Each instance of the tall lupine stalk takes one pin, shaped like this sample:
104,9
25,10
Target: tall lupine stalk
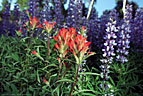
92,28
58,14
45,13
70,19
103,20
93,14
23,18
137,34
78,12
16,15
108,50
33,8
82,32
6,19
124,35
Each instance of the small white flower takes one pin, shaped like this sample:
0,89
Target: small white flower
108,29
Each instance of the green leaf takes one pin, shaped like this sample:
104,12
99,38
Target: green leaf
7,87
64,80
14,89
38,77
112,81
88,73
31,88
15,56
87,94
28,93
85,90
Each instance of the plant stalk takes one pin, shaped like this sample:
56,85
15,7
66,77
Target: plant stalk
124,7
90,8
75,80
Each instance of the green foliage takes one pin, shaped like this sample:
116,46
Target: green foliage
22,73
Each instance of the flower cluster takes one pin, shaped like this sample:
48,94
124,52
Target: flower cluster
70,19
124,36
109,45
58,15
6,19
34,22
62,39
137,34
46,13
33,8
48,26
78,12
77,43
101,31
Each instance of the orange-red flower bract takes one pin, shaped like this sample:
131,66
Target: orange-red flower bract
45,80
19,30
34,22
79,46
62,39
82,28
34,52
48,26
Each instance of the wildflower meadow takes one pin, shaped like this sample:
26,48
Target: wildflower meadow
48,50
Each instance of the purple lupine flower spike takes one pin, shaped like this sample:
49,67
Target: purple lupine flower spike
124,36
109,44
70,19
137,34
58,14
6,20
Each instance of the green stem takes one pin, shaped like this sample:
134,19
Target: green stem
48,45
60,67
76,75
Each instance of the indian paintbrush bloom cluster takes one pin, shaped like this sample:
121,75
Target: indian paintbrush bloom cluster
68,38
34,22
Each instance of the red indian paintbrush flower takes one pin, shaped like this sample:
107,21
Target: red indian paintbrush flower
79,46
45,80
34,22
19,30
62,39
37,54
48,26
34,52
82,28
